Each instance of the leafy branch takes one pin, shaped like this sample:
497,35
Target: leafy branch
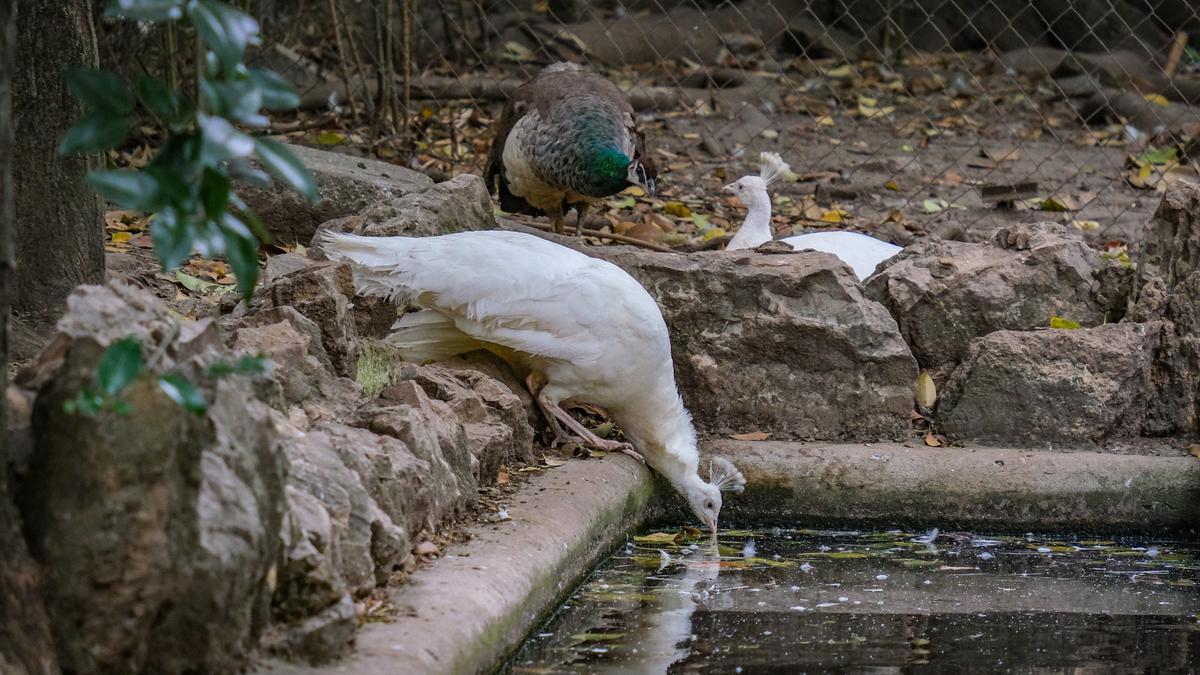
189,184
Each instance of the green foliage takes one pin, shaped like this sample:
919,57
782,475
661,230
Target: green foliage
119,366
190,183
246,365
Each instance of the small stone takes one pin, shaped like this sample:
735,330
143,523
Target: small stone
426,548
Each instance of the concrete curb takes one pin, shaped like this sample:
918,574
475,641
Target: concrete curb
802,484
474,606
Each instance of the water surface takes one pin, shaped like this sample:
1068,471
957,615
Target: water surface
787,601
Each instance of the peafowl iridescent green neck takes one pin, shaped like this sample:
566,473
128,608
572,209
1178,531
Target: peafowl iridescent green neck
607,171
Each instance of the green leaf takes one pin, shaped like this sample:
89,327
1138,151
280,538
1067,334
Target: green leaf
96,132
277,94
129,189
214,193
146,10
222,141
934,205
173,240
239,100
198,285
99,90
183,392
87,402
256,225
246,365
243,171
241,248
1059,322
120,365
166,104
225,30
1154,155
284,165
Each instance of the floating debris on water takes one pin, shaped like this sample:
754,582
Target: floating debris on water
670,602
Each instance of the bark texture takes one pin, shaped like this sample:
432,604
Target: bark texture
59,219
25,645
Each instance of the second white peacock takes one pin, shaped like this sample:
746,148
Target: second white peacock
861,252
576,328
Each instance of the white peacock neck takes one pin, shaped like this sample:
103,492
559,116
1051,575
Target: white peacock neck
756,229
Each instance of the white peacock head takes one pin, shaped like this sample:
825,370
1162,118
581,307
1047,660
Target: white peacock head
705,498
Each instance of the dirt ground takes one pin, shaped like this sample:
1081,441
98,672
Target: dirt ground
900,153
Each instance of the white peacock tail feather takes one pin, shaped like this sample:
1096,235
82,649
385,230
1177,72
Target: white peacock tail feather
773,167
725,476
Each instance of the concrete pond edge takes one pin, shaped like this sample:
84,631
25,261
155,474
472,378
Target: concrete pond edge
471,609
989,489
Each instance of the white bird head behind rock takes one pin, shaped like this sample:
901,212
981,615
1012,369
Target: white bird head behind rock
752,190
862,253
575,327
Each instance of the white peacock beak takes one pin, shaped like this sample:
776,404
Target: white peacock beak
728,188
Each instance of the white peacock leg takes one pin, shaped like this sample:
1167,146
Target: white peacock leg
535,387
591,438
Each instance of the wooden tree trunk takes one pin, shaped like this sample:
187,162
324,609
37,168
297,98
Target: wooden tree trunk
25,643
59,220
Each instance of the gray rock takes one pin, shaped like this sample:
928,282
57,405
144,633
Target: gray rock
347,185
431,431
320,638
945,294
457,205
324,294
355,519
781,343
1072,388
299,365
279,265
1169,289
493,417
160,566
401,484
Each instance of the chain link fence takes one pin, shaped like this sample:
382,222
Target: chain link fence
902,118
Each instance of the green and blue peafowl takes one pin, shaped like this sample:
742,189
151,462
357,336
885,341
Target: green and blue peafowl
566,138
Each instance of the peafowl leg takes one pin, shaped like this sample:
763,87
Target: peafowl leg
556,217
555,414
591,438
580,213
535,387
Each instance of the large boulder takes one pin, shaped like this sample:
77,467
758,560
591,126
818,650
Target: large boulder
1047,388
1168,288
782,343
457,205
158,531
944,294
347,185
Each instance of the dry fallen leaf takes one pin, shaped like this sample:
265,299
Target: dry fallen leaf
835,215
932,441
752,436
926,390
1194,450
502,476
551,462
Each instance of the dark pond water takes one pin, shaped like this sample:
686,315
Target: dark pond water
792,601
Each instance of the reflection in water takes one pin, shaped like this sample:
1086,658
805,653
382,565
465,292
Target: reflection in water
792,601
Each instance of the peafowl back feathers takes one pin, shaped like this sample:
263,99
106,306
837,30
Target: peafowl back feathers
566,138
